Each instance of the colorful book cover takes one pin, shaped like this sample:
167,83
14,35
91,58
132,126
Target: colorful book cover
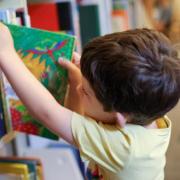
39,50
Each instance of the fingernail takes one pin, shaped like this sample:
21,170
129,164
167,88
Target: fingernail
60,59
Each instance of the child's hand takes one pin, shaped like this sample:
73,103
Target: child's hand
6,41
76,59
74,73
73,101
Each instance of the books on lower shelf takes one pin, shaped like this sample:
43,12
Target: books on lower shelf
39,50
21,168
58,163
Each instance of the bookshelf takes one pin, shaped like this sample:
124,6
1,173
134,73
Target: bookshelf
22,143
15,11
9,10
16,4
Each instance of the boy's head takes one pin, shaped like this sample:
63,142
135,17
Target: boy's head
134,72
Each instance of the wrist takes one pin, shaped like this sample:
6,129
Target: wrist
73,87
75,81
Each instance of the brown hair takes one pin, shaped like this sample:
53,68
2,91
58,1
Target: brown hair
135,72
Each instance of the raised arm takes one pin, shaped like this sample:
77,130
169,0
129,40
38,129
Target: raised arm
37,99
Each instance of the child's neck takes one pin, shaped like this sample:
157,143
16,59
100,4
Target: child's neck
153,125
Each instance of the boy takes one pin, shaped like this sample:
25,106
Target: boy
128,80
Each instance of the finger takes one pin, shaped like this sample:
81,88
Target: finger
76,58
66,64
63,63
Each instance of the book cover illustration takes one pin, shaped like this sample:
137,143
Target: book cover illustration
39,50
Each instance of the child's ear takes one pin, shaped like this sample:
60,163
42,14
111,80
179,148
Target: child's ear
120,118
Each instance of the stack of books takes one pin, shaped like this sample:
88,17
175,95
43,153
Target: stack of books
21,168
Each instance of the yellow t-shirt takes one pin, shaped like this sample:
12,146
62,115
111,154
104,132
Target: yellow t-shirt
115,153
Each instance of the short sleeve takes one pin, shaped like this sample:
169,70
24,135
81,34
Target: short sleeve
107,145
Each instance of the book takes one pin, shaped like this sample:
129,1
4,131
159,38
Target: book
5,15
44,16
65,16
34,165
103,13
15,169
17,16
120,15
30,164
58,15
39,51
88,31
61,15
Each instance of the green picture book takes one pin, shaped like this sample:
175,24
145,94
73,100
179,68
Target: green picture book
39,51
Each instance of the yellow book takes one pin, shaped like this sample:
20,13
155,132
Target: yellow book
39,173
15,168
